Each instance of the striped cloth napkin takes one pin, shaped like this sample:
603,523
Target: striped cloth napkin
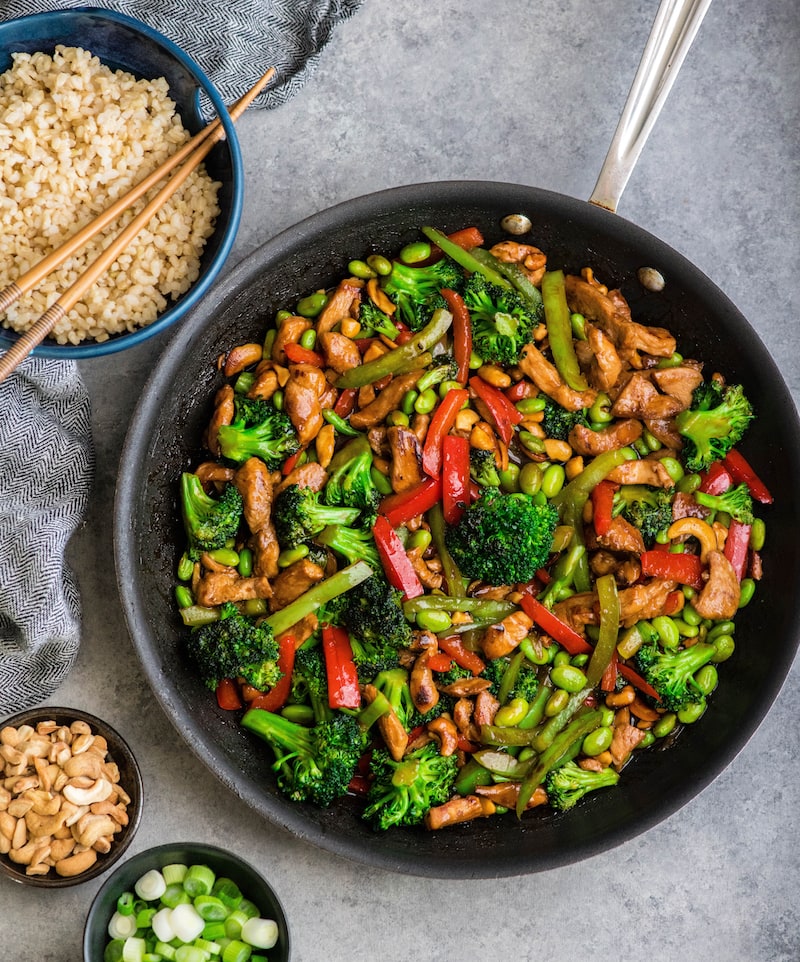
46,453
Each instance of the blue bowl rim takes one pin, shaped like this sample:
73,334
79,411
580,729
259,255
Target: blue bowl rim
188,300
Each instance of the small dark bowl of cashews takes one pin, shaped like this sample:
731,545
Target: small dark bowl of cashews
70,796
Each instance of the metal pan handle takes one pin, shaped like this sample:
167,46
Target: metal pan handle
674,28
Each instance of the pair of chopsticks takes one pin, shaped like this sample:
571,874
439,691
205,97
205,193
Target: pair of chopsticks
193,152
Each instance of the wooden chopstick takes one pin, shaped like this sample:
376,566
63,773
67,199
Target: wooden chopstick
194,151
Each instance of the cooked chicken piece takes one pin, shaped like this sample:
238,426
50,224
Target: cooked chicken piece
685,506
290,331
578,611
664,429
406,458
386,401
587,442
457,811
254,482
222,414
678,382
646,471
310,475
390,726
486,706
530,259
466,688
626,571
599,358
641,602
217,587
302,630
424,692
719,599
626,738
302,400
265,548
340,352
500,639
545,376
622,536
211,471
639,398
507,793
343,303
293,582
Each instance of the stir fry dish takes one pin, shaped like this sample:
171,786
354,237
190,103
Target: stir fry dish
467,537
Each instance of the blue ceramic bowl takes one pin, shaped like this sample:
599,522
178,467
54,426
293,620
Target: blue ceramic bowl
127,44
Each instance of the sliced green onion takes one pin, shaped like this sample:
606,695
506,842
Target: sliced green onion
234,923
227,891
125,903
260,933
165,950
236,951
121,926
199,880
161,924
151,885
191,953
210,908
186,922
133,950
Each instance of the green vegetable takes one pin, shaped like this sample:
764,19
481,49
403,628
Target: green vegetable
502,323
646,508
559,330
714,423
299,513
671,673
258,429
557,421
415,290
209,522
568,784
736,501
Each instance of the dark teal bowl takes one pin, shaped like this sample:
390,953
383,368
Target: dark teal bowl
127,44
252,884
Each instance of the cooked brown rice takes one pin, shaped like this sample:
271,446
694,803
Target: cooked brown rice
74,136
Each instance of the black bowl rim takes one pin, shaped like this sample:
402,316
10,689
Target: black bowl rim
135,791
171,850
195,294
135,451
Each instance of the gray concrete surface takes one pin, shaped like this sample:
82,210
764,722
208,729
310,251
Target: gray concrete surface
527,93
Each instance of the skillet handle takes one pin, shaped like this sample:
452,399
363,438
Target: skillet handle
674,28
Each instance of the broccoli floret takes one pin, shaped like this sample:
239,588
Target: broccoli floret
443,367
416,290
514,676
393,683
258,429
557,421
502,323
310,682
209,522
354,544
235,647
502,539
646,508
483,468
402,792
565,786
373,321
350,481
736,501
671,673
299,514
372,615
313,764
715,422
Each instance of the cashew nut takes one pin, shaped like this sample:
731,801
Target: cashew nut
98,791
695,528
76,864
445,732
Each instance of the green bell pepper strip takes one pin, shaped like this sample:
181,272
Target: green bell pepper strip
342,426
559,330
609,629
499,736
501,763
452,575
464,258
407,357
563,744
315,597
484,607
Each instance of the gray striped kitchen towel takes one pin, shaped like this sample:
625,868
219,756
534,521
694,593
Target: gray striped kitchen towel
46,471
233,41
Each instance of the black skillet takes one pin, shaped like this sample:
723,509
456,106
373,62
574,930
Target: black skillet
164,440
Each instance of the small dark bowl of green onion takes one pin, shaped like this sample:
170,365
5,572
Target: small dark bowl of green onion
186,902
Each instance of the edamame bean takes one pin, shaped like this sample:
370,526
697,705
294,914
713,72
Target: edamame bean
720,628
529,479
511,714
692,712
183,597
415,252
301,714
689,483
724,646
308,339
667,631
600,411
531,405
578,323
556,702
269,341
665,725
381,482
421,538
652,442
312,305
747,589
673,468
509,479
446,386
579,661
290,555
690,615
475,361
758,534
648,740
244,382
706,679
185,568
568,678
597,741
380,264
277,399
553,480
398,419
561,658
225,556
407,402
426,402
433,620
531,443
674,360
245,565
606,716
362,270
254,607
279,318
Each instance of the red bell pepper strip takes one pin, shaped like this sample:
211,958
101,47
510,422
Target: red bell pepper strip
637,681
603,505
674,602
275,698
290,463
340,669
740,470
467,238
228,697
559,630
455,477
345,402
737,546
462,332
440,662
608,681
441,422
396,564
402,507
462,656
502,412
298,354
520,390
687,569
716,479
